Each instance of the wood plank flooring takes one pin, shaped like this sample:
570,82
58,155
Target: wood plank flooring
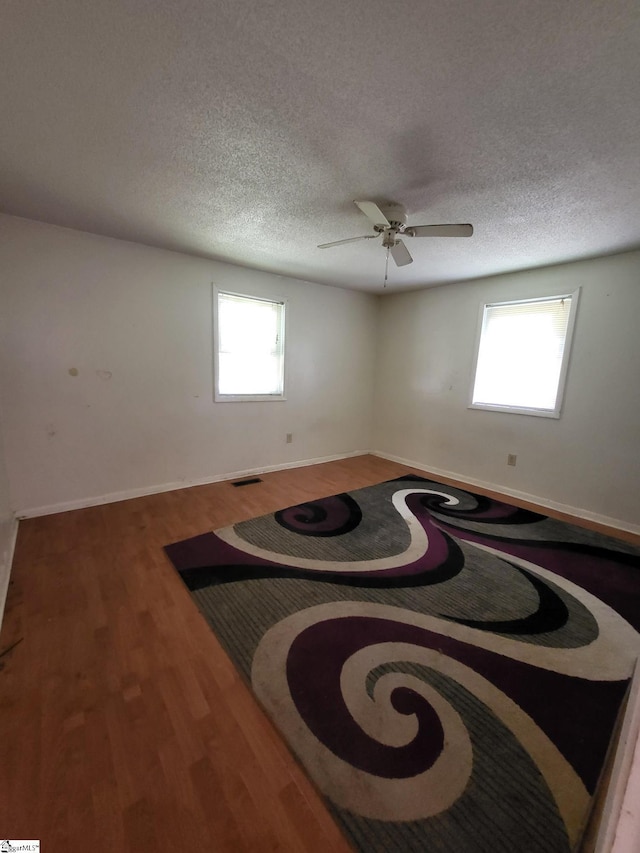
124,726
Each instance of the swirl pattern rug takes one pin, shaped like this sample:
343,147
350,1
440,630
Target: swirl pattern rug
448,668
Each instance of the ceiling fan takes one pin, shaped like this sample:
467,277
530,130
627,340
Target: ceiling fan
390,221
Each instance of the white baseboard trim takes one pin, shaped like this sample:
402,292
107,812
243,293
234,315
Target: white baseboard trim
577,512
6,564
620,824
128,494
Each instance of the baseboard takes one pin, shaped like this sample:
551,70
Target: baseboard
615,524
128,494
619,826
6,564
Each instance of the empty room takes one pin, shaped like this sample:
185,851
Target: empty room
320,426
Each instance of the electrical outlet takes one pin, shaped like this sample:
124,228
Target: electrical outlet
511,459
289,437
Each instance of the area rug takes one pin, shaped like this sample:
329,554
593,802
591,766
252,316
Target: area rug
448,668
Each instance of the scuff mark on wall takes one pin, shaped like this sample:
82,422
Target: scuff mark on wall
105,375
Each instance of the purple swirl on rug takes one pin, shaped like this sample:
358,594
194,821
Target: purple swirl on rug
318,654
314,664
332,516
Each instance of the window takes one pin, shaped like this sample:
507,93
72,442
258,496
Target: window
522,355
248,347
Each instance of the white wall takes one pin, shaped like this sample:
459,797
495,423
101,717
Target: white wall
135,322
589,459
142,317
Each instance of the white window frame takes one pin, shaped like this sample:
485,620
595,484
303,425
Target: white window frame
523,410
247,398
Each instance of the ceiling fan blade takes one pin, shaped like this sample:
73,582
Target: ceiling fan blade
372,212
348,240
400,254
439,231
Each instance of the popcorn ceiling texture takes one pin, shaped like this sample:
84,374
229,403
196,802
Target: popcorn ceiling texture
242,131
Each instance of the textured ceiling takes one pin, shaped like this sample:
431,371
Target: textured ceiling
242,131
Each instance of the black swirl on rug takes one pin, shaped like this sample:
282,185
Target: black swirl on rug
332,516
487,510
551,615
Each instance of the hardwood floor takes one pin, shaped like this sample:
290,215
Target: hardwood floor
124,725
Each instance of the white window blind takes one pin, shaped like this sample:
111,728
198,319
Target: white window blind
522,355
250,347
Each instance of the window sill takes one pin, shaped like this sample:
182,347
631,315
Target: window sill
515,410
249,398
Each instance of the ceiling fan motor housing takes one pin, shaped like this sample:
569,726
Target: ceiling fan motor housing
396,216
